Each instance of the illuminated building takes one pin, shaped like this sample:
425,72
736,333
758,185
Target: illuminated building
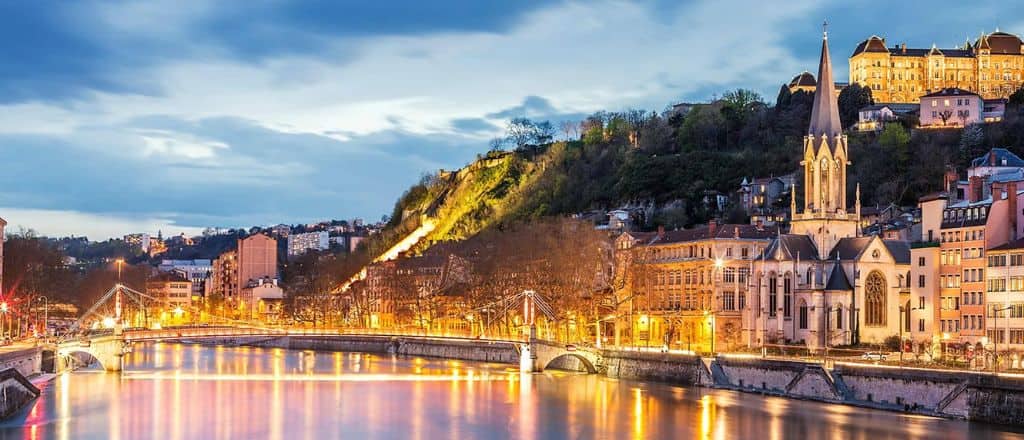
991,66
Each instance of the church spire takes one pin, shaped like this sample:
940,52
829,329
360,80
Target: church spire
825,110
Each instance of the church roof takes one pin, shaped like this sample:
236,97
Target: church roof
825,108
787,247
837,280
850,248
900,250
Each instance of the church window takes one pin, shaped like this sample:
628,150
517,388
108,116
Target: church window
825,199
773,300
874,299
803,315
839,317
787,297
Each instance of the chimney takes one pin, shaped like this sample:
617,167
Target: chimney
903,48
1011,208
992,158
950,180
974,189
712,228
661,232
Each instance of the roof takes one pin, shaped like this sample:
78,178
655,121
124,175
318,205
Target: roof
933,196
1015,244
998,157
825,108
850,248
1003,43
872,44
950,91
895,107
787,247
803,79
900,250
837,280
721,231
167,277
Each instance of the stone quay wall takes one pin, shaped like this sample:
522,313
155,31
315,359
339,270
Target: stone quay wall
28,361
661,367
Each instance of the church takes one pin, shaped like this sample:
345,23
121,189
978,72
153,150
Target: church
824,284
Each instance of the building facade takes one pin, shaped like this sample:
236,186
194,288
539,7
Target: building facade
173,290
951,107
257,259
299,244
224,276
991,66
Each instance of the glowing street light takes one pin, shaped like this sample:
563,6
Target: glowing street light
108,322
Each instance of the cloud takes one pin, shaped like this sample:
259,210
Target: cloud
291,113
54,223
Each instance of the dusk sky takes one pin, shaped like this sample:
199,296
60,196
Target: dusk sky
124,117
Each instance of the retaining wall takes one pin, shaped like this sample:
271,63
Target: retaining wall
662,367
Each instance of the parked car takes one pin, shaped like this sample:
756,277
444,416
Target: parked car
873,356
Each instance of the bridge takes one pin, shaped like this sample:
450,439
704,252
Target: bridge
539,354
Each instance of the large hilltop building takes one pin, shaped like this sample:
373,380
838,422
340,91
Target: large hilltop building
991,66
824,284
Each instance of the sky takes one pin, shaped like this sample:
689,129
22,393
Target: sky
175,115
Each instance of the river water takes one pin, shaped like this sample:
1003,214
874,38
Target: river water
173,391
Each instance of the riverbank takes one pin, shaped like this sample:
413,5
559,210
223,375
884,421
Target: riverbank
957,395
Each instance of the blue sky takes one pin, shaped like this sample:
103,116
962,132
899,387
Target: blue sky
125,116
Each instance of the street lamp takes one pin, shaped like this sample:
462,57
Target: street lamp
711,323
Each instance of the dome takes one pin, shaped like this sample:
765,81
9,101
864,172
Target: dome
803,79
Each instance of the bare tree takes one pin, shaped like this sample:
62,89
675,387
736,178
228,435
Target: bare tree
570,129
945,115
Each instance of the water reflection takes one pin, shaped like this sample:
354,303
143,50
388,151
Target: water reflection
190,392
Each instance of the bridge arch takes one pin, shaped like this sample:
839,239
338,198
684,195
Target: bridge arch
586,363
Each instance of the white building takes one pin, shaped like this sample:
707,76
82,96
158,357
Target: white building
299,244
951,108
196,271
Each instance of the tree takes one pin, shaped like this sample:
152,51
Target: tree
497,144
543,132
1016,100
972,142
521,131
570,129
945,115
853,98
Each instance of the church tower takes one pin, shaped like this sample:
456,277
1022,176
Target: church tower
825,217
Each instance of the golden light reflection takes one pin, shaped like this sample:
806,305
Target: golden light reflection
638,413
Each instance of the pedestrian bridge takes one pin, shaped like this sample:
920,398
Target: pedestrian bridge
539,354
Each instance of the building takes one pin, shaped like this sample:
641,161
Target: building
173,290
224,276
951,107
1004,303
823,284
994,110
196,271
805,82
684,286
874,117
257,259
762,198
264,299
991,66
299,244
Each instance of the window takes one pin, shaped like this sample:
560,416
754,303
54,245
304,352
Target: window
773,299
803,315
920,325
920,262
920,281
874,299
920,302
787,297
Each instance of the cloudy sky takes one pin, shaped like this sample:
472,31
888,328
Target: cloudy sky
125,116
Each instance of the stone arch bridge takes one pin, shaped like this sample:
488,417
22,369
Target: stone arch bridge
539,354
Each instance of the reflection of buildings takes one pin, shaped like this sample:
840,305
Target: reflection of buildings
990,66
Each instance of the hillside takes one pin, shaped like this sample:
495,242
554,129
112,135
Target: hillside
670,163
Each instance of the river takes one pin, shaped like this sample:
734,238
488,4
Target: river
174,391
